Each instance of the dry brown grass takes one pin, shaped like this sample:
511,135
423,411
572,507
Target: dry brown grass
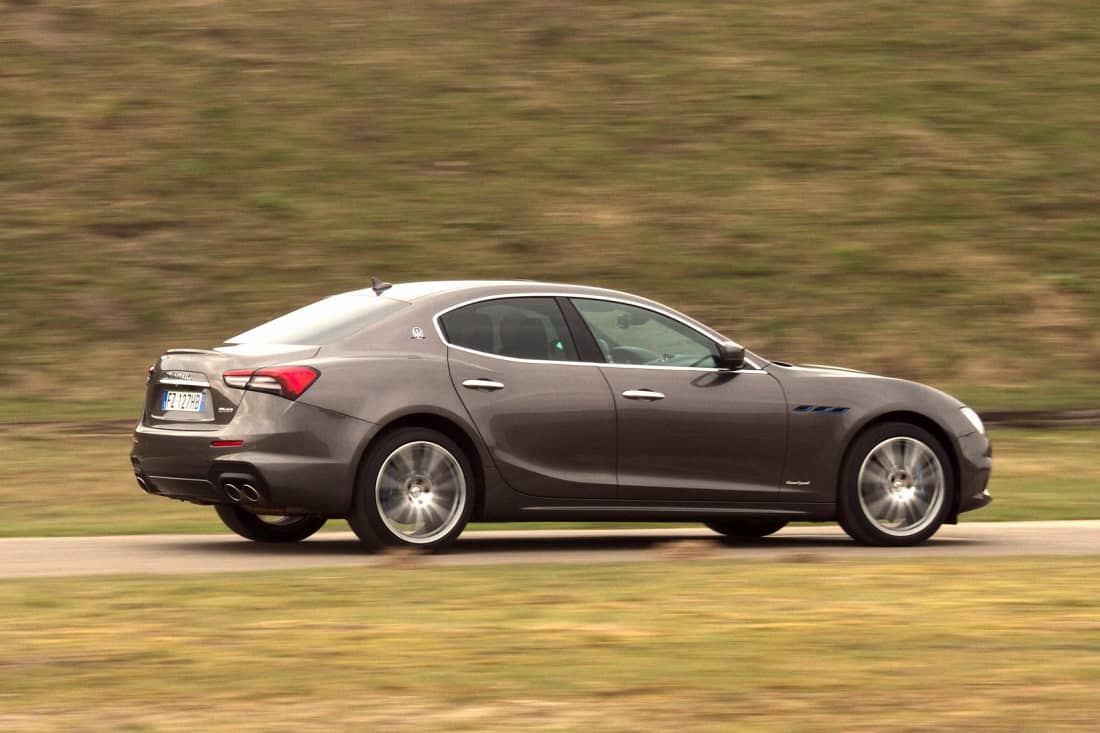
760,647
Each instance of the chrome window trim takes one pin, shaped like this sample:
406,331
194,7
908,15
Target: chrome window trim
753,367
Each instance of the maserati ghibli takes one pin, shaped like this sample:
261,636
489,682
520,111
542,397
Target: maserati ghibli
413,409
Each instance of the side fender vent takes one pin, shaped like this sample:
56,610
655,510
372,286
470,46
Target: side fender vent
821,409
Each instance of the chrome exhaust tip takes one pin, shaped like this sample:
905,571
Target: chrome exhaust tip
233,492
250,492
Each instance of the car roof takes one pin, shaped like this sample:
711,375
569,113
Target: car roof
417,290
429,290
437,296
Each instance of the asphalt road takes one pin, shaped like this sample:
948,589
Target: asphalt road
175,554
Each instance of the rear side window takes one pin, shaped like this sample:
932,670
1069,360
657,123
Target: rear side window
522,328
322,322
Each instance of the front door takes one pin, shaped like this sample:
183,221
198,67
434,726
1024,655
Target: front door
687,430
547,420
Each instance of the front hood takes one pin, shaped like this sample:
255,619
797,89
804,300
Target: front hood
820,370
826,368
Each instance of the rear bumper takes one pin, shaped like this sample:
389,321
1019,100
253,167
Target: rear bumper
975,467
299,459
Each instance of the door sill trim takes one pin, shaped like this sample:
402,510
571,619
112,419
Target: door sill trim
675,509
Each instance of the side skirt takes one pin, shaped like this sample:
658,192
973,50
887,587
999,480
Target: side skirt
500,503
626,512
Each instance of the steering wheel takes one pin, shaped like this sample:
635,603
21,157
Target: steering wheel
633,355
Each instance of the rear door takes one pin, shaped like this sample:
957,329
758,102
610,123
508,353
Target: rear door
687,430
548,420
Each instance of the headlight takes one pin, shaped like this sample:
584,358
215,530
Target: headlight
974,419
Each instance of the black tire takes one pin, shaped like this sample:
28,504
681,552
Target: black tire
747,528
377,529
854,515
276,529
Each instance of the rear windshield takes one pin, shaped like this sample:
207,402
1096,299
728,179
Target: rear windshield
322,322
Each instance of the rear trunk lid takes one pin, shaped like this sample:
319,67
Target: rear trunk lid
186,390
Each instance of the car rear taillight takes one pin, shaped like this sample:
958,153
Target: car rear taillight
285,381
237,378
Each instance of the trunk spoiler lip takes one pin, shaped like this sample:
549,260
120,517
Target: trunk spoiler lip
299,351
250,350
190,351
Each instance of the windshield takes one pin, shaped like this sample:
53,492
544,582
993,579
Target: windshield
322,322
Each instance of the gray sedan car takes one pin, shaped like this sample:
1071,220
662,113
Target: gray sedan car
413,409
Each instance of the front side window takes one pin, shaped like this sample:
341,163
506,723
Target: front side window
522,328
627,334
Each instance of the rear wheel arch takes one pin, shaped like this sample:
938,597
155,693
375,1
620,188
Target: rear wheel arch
921,421
444,425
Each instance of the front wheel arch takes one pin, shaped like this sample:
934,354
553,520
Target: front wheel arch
921,421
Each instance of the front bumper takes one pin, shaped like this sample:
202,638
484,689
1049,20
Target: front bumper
299,459
975,467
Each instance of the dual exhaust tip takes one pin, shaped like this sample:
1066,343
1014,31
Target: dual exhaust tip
146,484
244,492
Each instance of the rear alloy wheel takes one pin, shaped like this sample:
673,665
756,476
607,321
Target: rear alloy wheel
267,528
747,528
415,490
897,486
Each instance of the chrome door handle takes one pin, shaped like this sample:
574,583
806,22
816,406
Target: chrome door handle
642,394
489,384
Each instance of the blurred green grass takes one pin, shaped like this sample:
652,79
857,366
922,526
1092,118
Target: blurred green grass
910,188
761,647
54,483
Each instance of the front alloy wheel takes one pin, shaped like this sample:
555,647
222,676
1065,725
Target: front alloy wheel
897,486
415,490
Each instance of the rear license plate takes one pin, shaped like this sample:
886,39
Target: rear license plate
182,401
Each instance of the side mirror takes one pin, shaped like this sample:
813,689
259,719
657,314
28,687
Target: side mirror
730,355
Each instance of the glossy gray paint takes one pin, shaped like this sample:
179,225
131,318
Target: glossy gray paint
557,441
716,436
551,428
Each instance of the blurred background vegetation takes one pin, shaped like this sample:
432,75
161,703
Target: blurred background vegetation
912,188
906,187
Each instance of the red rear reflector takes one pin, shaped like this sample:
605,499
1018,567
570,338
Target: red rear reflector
227,443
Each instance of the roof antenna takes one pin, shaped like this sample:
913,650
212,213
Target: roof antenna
379,286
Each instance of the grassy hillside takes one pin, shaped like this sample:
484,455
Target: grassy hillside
905,187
